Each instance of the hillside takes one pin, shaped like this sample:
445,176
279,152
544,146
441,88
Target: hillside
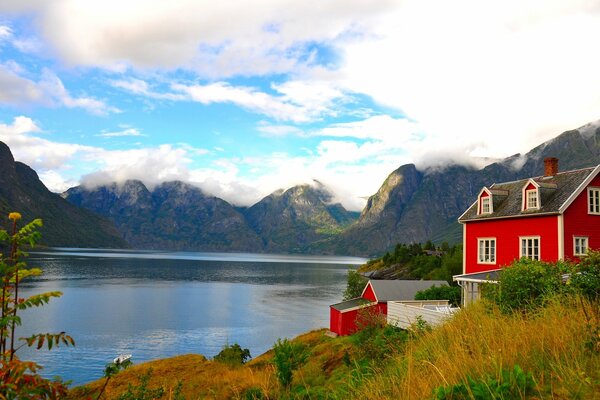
478,344
64,224
414,206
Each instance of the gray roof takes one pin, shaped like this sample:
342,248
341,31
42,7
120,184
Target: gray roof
507,197
346,305
490,276
394,290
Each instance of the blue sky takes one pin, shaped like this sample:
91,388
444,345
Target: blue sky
244,98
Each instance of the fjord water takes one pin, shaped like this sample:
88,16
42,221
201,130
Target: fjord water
159,304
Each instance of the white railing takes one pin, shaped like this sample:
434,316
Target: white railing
404,313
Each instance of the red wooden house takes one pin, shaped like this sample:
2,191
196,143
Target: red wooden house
375,296
551,217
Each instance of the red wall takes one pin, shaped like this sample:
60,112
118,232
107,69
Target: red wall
578,222
344,323
369,294
507,232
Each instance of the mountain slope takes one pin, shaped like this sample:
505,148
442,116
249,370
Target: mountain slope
173,216
414,206
294,219
64,224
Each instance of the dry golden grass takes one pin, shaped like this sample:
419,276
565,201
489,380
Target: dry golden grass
481,341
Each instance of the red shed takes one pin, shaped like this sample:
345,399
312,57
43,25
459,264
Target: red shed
551,217
343,316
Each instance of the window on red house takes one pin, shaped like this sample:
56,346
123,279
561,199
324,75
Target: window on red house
487,251
580,245
530,247
532,199
594,200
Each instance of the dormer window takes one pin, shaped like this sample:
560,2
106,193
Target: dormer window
532,199
486,206
531,196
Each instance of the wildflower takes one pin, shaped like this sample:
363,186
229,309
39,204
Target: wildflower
14,216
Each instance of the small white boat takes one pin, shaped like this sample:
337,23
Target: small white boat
122,358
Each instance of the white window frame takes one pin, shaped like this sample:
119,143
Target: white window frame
487,243
584,243
486,201
594,200
529,252
535,198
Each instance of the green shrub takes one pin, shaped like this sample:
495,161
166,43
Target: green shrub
288,357
586,277
253,393
511,384
233,355
356,285
141,391
526,285
375,339
450,293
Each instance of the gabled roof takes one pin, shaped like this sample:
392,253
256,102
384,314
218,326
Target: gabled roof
557,192
391,290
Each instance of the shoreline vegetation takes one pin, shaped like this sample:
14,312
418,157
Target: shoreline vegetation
531,336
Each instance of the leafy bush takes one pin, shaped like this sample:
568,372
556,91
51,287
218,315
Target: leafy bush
526,285
288,357
233,355
511,384
253,393
450,293
20,379
356,285
586,276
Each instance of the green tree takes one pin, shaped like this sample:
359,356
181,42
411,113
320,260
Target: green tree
233,355
355,286
450,293
20,379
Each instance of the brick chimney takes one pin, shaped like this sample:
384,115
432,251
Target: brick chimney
550,166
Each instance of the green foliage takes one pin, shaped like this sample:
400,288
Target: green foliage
253,393
288,357
450,293
586,276
355,286
526,285
233,355
416,261
375,339
141,391
511,384
20,379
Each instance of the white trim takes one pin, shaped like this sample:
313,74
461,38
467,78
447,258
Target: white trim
589,190
561,237
587,245
464,255
479,240
521,238
579,189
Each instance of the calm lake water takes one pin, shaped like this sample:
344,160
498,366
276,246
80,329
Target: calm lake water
161,304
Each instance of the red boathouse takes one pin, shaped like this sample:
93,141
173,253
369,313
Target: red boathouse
375,296
551,217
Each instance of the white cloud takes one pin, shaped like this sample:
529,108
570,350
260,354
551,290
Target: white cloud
122,133
217,39
490,80
54,88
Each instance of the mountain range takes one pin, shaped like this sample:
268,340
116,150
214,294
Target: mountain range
412,205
